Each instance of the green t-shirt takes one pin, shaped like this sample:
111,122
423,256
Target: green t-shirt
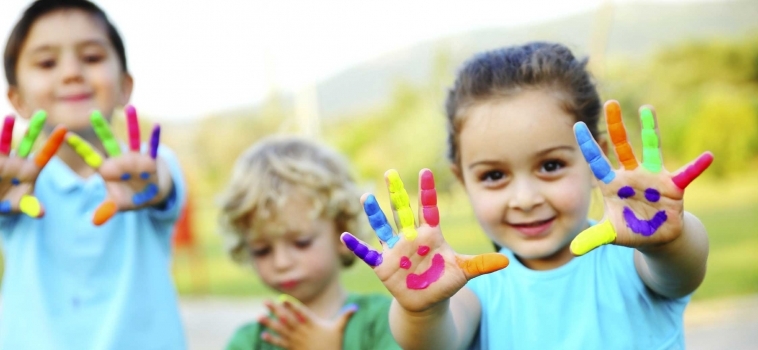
368,328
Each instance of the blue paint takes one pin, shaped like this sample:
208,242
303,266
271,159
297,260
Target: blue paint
150,191
126,177
5,207
592,154
626,192
652,195
144,175
644,227
378,221
15,181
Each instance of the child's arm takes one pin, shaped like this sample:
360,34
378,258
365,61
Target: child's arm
134,179
644,206
431,307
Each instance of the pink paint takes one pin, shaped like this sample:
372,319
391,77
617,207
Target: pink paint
423,250
133,126
689,174
405,263
7,137
431,275
429,199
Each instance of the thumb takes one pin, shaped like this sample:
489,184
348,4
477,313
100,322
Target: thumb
593,237
475,266
345,314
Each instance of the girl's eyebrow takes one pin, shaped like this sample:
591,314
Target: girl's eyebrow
96,42
556,148
53,47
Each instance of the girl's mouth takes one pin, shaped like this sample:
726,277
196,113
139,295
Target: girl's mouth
534,228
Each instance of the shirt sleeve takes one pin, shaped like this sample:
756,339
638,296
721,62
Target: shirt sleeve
170,211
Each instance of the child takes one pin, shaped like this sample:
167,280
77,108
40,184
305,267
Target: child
283,211
73,278
515,149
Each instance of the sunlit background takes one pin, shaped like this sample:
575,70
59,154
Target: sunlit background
369,79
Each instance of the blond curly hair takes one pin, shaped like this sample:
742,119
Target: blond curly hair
272,171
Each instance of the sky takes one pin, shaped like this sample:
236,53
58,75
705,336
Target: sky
192,58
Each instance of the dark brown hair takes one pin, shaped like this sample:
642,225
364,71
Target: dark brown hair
512,69
42,7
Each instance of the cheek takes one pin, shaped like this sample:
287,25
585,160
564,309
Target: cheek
487,205
572,195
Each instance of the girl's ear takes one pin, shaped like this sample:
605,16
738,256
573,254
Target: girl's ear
127,85
17,101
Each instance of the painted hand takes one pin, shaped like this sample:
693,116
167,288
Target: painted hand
18,173
643,204
417,266
295,327
130,178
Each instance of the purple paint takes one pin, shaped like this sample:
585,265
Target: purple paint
652,195
155,140
405,263
371,257
644,227
626,192
431,275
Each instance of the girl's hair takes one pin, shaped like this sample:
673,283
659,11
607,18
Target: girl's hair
277,169
507,71
42,7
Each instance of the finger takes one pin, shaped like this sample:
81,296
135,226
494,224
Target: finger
295,307
51,146
378,221
104,212
274,340
401,205
592,154
84,150
6,139
282,318
345,314
691,171
29,205
617,131
146,195
429,213
361,250
132,125
651,146
155,140
35,128
478,265
104,133
593,237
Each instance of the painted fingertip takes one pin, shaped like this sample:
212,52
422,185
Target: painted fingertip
29,205
288,298
5,207
395,183
352,307
104,212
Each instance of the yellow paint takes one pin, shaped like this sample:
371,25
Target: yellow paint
593,237
85,150
401,204
289,298
29,205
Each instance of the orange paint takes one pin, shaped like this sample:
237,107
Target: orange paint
482,264
51,146
104,212
618,135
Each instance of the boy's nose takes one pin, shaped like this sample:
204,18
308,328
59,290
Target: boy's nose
525,195
283,259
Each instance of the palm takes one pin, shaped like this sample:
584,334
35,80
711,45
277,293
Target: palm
643,202
141,170
417,266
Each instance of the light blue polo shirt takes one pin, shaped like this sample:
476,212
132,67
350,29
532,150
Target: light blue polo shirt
596,301
71,285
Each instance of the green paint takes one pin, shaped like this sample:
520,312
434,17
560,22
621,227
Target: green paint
103,131
35,128
651,155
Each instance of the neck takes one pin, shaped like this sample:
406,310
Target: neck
558,259
327,303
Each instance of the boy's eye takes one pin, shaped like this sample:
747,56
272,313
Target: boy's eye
492,176
260,251
303,243
552,165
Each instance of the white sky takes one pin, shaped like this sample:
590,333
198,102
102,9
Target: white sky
191,58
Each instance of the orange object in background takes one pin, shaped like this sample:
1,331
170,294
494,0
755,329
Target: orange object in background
188,252
183,235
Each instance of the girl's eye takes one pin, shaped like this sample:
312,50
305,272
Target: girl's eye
552,165
303,243
492,176
92,58
260,252
46,64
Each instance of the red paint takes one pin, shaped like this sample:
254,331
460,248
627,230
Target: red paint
133,126
7,137
405,263
423,250
429,199
431,275
684,178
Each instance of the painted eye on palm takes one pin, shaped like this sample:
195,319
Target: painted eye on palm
604,232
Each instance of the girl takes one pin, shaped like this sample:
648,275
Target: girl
283,211
521,126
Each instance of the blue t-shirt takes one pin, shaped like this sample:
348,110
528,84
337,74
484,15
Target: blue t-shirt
596,301
71,285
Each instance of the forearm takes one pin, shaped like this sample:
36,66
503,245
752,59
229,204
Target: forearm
165,182
449,325
676,268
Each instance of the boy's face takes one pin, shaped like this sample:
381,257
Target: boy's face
303,261
68,67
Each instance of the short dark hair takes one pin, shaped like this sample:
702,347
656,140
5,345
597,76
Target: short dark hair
42,7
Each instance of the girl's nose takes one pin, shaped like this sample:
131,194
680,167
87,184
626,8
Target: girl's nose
71,69
525,194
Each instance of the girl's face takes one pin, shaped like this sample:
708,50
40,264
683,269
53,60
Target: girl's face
302,258
525,176
68,67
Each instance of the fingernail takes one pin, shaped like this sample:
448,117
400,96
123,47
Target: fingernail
349,307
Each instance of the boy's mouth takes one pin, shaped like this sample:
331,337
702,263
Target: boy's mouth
286,285
533,228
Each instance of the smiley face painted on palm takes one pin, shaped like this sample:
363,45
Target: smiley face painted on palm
645,227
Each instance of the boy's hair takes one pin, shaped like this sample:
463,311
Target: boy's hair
507,71
276,169
42,7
